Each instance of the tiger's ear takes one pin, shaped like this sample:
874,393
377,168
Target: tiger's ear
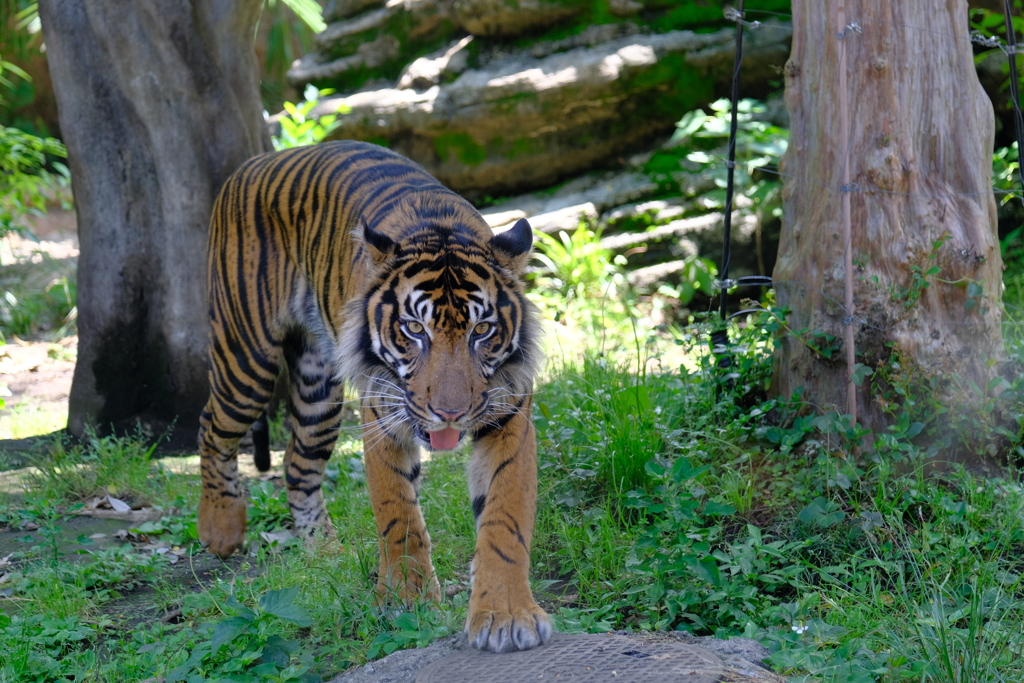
380,245
512,247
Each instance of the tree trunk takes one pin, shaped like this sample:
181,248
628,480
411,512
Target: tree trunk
920,155
159,103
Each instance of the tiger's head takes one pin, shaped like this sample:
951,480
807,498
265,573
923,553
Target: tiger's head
442,345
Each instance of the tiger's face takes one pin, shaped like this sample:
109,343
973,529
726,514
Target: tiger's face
446,340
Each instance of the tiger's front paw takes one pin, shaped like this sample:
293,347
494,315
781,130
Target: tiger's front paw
520,628
221,524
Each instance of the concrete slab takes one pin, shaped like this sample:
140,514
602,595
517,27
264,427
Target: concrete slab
584,658
593,658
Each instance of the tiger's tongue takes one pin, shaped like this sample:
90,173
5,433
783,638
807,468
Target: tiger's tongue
444,439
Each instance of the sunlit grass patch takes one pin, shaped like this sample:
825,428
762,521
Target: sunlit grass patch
25,420
39,298
99,466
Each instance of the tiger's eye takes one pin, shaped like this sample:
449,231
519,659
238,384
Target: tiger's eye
482,328
414,327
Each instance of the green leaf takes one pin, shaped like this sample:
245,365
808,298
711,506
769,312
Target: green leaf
309,11
860,373
267,668
653,468
831,519
237,609
689,124
633,399
178,673
997,382
289,646
706,568
281,604
227,630
822,512
407,621
714,508
681,470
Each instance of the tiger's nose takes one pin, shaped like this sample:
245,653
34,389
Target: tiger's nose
449,415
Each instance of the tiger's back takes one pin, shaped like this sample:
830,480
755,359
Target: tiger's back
347,261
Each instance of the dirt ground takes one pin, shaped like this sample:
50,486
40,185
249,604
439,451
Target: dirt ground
38,374
35,375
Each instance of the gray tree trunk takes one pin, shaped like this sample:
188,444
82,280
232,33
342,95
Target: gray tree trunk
159,103
920,154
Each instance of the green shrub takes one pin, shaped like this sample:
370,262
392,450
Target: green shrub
25,182
299,127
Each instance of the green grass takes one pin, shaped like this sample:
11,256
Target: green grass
663,505
62,612
100,466
1013,302
846,569
667,501
38,300
26,420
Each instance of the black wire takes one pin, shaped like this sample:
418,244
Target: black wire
720,337
729,188
1018,119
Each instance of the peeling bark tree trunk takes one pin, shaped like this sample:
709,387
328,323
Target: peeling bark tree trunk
159,103
920,153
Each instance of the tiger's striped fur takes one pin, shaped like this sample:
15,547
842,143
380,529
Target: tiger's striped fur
345,261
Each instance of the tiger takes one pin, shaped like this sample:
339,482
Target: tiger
345,261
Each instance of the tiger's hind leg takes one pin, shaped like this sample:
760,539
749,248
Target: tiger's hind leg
239,391
316,404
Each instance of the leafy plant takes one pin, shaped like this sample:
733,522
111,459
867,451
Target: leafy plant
268,509
44,648
298,125
411,629
6,83
38,298
178,530
580,285
246,644
24,179
576,265
673,555
759,146
1005,172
